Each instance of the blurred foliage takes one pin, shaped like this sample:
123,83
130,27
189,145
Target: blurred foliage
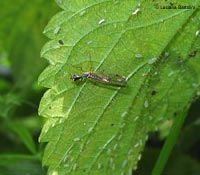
185,157
21,39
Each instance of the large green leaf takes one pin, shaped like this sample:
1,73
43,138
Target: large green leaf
97,129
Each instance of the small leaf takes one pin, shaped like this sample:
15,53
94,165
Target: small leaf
6,159
7,102
24,135
19,164
97,129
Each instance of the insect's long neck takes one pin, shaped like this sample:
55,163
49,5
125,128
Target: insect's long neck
86,74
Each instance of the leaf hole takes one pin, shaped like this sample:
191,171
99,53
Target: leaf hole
153,92
112,124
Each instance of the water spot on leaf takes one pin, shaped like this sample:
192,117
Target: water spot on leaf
74,166
111,160
124,114
150,117
72,159
82,146
160,119
146,104
60,121
89,42
65,158
140,142
135,11
108,151
171,73
77,139
56,30
60,1
130,152
124,163
119,137
130,171
136,145
122,125
156,128
122,173
101,21
116,1
146,138
136,118
152,60
174,49
166,54
114,25
135,167
113,167
155,73
90,130
139,156
66,165
195,85
99,166
144,74
197,32
115,146
161,20
82,13
87,142
138,55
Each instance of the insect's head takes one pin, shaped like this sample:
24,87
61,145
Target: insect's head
76,77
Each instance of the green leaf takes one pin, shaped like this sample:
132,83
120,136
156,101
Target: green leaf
7,102
6,159
97,129
24,135
21,26
183,163
19,164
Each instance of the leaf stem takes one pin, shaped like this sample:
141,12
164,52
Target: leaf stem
169,144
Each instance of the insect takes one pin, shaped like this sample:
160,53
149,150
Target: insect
112,80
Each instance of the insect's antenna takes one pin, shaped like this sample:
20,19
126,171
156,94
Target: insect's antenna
91,65
78,67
